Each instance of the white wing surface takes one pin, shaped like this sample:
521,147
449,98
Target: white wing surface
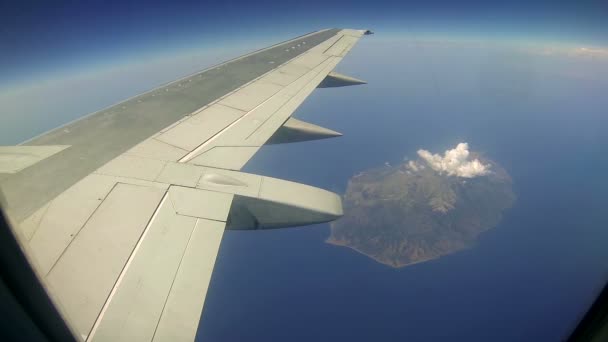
122,212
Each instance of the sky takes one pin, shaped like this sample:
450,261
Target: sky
60,60
42,39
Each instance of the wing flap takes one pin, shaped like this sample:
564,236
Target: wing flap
134,308
269,107
183,309
87,270
162,287
197,129
250,132
156,149
251,96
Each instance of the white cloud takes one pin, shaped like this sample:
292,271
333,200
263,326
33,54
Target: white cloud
412,165
591,52
570,51
455,162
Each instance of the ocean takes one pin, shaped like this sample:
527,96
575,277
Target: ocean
539,115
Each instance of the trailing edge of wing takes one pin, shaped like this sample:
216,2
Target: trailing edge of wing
268,103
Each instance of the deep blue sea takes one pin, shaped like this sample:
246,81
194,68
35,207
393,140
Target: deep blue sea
540,113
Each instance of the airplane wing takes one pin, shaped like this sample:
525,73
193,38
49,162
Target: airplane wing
122,212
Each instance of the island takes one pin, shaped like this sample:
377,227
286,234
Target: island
422,209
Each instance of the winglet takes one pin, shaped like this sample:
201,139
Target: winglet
294,130
334,79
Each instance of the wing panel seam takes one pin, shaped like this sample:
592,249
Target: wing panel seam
126,267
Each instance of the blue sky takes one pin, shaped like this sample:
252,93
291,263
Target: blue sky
43,38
